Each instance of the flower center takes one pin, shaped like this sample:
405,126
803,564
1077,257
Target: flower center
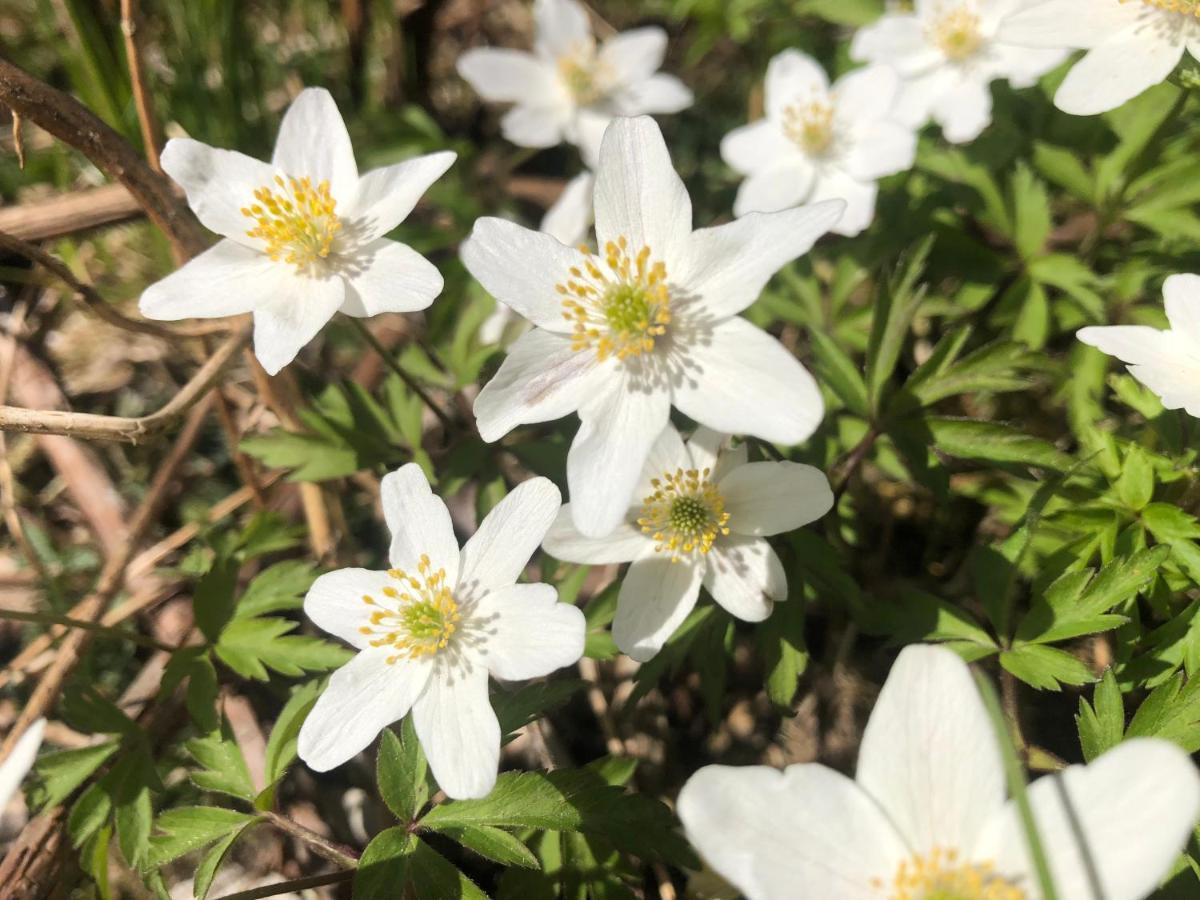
416,619
685,514
942,876
618,303
296,220
809,125
956,32
583,74
1184,7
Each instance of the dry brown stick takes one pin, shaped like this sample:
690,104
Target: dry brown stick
241,461
289,887
97,304
71,213
336,853
71,122
112,576
131,430
133,56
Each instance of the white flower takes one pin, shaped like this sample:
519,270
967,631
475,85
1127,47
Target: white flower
567,220
431,628
14,769
1131,44
1167,362
703,516
818,142
927,817
303,234
649,321
570,88
947,53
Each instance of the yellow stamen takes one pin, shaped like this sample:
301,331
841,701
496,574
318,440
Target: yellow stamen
956,32
297,221
422,617
584,75
941,875
618,303
685,514
1183,7
809,125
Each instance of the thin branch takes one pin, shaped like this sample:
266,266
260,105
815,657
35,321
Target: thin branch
335,853
70,213
98,304
853,460
133,56
409,381
71,122
288,887
46,618
132,430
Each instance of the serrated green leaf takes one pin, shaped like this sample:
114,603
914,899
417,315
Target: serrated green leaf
492,843
225,769
400,772
994,442
62,772
1045,667
281,745
184,829
1102,724
252,646
278,587
434,876
385,866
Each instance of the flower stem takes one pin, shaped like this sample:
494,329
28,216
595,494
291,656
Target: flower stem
335,853
409,381
45,618
288,887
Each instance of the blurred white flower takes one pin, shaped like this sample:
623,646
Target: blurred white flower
568,221
24,753
947,53
818,142
1167,362
648,321
927,817
431,628
701,517
304,235
569,88
1132,45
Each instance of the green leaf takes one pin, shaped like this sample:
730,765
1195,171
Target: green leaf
1031,212
184,829
993,368
311,457
281,745
251,646
435,876
895,307
517,709
1045,667
213,600
838,371
385,865
1168,523
1171,712
129,785
1101,725
785,655
225,768
400,772
571,800
207,868
994,442
491,843
281,586
89,812
1135,486
62,772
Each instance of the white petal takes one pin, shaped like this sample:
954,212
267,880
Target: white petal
667,454
1118,70
587,132
521,268
20,760
458,730
224,280
793,77
570,216
1181,294
624,543
387,276
866,94
858,197
880,148
1165,361
745,576
285,322
506,76
778,188
929,755
364,697
498,552
765,498
419,523
1024,66
336,604
729,265
638,194
656,596
535,126
743,381
964,111
386,196
633,55
659,93
1068,23
616,431
540,380
529,633
705,447
219,185
897,40
806,831
562,26
757,147
313,142
1134,808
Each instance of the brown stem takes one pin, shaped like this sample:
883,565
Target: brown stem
287,887
853,460
409,382
133,56
336,853
132,430
43,618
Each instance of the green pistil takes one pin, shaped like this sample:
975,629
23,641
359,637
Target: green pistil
689,515
626,309
423,621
